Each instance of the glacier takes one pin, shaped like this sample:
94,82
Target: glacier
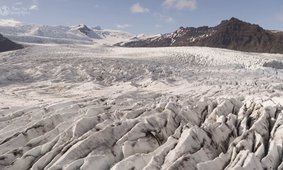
96,107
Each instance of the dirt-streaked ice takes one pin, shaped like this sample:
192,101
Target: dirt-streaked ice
95,107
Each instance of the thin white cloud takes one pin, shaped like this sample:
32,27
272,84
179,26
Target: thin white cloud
9,22
137,8
33,7
123,26
181,4
164,18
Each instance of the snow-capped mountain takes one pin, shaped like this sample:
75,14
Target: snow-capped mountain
86,31
231,34
80,34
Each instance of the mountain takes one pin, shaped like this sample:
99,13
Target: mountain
8,45
80,34
87,31
231,34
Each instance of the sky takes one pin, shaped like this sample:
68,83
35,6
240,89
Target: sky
141,16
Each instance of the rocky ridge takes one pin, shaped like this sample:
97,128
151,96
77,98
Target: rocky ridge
230,34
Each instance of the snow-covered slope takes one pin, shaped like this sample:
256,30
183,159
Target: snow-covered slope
94,108
80,34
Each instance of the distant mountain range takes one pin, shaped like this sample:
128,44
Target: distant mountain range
8,45
80,34
230,34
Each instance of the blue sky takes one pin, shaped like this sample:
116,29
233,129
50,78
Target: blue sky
143,16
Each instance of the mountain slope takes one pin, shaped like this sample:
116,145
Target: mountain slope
8,45
87,31
231,34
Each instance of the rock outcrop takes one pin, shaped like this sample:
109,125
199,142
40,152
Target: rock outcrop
8,45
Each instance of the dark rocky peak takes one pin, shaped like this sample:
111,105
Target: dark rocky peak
235,24
88,31
203,28
83,28
232,21
192,30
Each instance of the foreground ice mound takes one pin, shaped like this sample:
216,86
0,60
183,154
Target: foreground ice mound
165,133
